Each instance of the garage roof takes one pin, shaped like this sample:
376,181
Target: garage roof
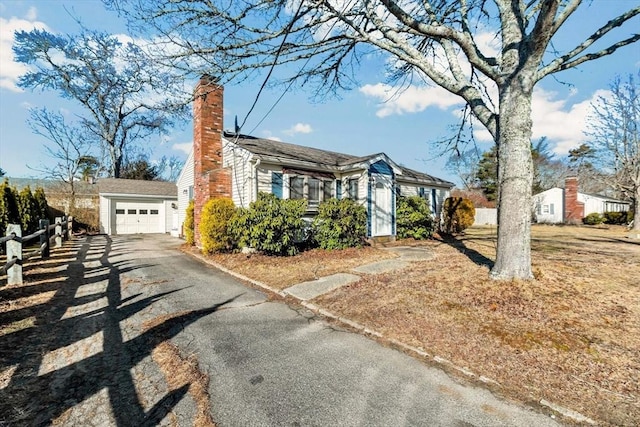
138,187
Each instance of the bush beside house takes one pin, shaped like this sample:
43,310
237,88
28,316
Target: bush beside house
458,214
270,225
413,218
340,224
214,225
189,225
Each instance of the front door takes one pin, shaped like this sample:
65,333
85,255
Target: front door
382,205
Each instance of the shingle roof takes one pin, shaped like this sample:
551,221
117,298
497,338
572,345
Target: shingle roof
286,151
282,151
138,187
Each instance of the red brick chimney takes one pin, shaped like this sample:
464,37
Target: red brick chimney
573,209
211,180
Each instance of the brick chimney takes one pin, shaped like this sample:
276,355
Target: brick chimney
211,180
573,209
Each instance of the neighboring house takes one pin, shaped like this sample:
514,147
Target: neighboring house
239,166
568,205
130,206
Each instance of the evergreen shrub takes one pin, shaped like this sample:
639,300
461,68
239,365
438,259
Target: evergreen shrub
189,224
271,225
413,218
214,225
340,224
458,214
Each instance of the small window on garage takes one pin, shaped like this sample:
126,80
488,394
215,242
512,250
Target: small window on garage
131,211
143,211
119,211
154,211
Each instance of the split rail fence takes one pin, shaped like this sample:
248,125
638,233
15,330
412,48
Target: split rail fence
58,232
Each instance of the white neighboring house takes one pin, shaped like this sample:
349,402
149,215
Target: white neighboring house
568,205
130,206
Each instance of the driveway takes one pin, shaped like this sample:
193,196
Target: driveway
268,363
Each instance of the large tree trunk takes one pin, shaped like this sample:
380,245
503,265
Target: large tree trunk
515,176
635,229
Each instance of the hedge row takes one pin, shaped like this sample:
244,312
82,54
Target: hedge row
24,208
276,227
613,218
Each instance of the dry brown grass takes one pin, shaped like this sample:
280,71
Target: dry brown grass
282,272
571,336
182,370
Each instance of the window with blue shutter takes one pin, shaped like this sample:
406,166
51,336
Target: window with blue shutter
339,189
276,184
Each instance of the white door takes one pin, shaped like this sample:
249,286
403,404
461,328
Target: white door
132,217
382,205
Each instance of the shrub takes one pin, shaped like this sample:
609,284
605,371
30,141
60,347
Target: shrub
41,205
189,224
214,221
340,224
593,219
413,218
616,218
27,211
270,225
9,213
458,214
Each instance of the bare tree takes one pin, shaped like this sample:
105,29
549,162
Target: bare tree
125,97
439,41
615,135
69,145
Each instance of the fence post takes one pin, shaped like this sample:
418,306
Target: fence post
44,238
58,231
14,250
69,227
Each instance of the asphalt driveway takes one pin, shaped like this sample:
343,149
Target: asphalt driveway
88,361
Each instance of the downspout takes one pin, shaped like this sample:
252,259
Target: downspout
255,179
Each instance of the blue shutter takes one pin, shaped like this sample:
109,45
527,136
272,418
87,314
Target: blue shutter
339,189
551,208
434,202
276,184
421,192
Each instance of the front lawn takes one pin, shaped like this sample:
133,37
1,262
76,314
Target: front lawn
572,336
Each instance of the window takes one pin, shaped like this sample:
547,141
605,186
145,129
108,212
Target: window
353,188
296,187
327,192
131,211
545,209
143,212
119,211
314,191
154,211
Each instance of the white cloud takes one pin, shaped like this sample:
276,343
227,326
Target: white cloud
185,147
269,135
413,100
299,128
10,70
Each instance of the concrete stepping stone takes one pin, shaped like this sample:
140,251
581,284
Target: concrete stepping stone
309,290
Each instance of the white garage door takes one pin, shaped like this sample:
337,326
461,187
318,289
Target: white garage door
133,217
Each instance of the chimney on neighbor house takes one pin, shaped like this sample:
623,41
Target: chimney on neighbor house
211,180
573,209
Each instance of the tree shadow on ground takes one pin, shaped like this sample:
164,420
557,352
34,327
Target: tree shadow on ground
39,391
472,254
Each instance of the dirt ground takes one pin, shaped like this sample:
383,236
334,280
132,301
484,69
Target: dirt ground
571,336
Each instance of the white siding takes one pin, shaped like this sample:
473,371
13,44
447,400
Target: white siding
548,206
185,180
105,215
407,190
239,160
169,211
265,179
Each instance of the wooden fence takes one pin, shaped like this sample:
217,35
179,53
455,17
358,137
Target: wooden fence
61,229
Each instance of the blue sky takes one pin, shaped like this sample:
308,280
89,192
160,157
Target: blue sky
358,123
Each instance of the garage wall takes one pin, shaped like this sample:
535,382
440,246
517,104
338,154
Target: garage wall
105,215
136,222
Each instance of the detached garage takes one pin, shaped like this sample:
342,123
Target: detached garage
130,206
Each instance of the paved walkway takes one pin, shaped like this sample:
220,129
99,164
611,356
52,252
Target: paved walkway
309,290
96,355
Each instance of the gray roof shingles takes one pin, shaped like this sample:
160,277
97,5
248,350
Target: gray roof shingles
137,187
285,151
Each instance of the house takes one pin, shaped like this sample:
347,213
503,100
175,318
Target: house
568,205
129,206
224,164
